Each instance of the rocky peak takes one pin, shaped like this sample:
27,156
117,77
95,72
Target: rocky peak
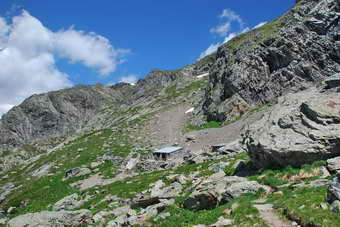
288,54
53,114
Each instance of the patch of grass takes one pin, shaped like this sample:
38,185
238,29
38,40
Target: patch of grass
255,36
173,92
210,124
244,215
40,193
258,108
304,205
279,177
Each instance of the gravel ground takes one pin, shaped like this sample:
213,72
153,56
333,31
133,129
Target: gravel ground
167,129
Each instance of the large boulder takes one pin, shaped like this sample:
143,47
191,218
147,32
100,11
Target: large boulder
68,203
52,219
333,81
219,189
333,193
333,165
77,172
302,128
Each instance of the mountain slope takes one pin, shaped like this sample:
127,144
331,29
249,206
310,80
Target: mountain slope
84,156
56,113
288,54
66,111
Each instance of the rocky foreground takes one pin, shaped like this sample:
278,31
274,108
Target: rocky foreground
259,122
113,190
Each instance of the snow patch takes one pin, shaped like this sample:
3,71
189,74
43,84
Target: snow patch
190,110
202,75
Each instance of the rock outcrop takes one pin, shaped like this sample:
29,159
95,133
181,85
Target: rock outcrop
333,195
64,112
333,165
219,189
57,113
285,55
52,219
302,128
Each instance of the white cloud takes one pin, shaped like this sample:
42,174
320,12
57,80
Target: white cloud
4,108
225,30
232,16
130,79
211,49
229,17
260,24
28,53
90,49
222,29
229,37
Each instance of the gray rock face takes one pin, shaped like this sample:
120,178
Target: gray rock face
66,111
222,222
289,54
333,81
42,171
333,193
335,207
6,190
68,203
52,219
77,172
333,165
301,128
56,113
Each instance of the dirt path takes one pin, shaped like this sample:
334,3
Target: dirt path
167,129
268,214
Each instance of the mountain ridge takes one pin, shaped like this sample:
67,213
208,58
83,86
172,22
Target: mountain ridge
257,123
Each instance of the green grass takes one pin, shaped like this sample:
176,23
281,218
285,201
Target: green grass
174,92
210,124
256,36
47,190
304,205
258,108
279,177
244,215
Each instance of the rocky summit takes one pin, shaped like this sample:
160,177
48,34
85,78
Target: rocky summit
247,136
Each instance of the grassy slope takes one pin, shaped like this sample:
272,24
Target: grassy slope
42,193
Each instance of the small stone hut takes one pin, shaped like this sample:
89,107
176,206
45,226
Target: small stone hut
167,153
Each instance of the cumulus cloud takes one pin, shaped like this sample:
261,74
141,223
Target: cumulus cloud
28,55
130,79
90,49
231,15
221,29
229,18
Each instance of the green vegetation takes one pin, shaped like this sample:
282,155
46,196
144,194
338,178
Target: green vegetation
207,59
303,205
258,108
173,92
276,178
42,192
243,215
210,124
255,36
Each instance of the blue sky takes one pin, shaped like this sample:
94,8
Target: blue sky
144,34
